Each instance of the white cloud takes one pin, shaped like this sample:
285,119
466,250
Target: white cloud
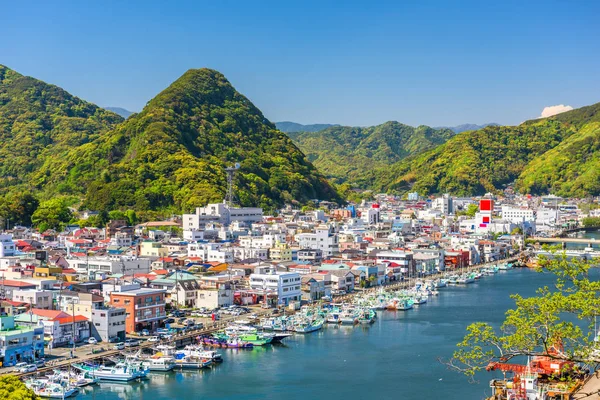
553,110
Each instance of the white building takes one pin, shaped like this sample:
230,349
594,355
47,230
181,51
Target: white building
220,213
444,204
115,265
38,298
211,252
517,215
325,238
287,285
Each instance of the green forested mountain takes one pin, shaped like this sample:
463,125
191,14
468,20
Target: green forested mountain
558,154
170,156
38,124
349,154
173,152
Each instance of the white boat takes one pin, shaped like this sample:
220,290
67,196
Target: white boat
333,318
122,371
348,318
309,326
159,363
51,390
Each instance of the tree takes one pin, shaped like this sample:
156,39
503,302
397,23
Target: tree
52,214
11,388
558,322
18,208
591,222
517,231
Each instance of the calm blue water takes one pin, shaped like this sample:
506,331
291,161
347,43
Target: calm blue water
397,357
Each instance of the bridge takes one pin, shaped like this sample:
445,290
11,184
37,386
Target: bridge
564,240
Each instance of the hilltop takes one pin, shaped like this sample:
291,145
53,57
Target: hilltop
291,127
558,154
170,156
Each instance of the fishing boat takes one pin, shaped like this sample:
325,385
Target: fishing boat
307,326
333,317
159,363
367,317
123,371
51,390
348,317
192,362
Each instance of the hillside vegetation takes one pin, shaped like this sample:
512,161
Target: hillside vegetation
170,156
350,154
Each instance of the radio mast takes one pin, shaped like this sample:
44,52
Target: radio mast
229,199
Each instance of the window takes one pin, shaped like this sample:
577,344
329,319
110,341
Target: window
97,324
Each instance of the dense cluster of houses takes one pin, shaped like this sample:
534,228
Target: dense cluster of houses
57,288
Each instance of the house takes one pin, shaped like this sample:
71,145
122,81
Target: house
342,281
60,328
144,307
19,343
316,286
324,238
150,248
211,298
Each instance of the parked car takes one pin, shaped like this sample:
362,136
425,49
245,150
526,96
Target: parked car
40,363
20,365
169,321
114,339
145,332
92,340
154,339
28,368
132,342
166,336
189,322
181,320
119,346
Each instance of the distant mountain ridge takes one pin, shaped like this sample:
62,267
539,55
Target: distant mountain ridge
348,154
289,127
120,111
466,127
558,154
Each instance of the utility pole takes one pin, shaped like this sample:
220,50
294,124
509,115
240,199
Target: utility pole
73,308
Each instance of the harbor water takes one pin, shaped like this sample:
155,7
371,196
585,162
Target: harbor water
396,357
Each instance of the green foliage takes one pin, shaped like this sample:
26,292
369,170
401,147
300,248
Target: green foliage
542,324
591,222
517,231
39,123
470,211
11,387
52,214
348,154
170,157
17,208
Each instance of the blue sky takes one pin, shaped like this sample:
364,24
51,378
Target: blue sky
355,63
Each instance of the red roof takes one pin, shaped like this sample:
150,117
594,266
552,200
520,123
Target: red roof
69,271
8,282
50,314
166,259
69,319
78,254
160,272
15,303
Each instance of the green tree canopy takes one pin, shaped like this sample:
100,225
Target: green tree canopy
11,388
52,213
558,322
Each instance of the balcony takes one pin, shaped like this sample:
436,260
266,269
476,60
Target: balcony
148,305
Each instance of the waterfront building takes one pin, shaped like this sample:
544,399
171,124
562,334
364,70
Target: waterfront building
19,343
145,308
342,281
108,323
286,285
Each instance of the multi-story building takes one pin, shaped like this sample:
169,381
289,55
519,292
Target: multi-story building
19,343
7,247
153,249
281,252
325,238
286,285
444,204
38,298
144,308
517,215
114,264
108,323
220,213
